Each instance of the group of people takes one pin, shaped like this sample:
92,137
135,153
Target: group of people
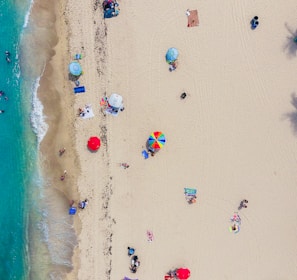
235,219
110,8
2,93
135,263
81,204
172,65
83,112
254,22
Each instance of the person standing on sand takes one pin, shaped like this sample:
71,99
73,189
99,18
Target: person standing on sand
243,204
62,178
62,151
125,165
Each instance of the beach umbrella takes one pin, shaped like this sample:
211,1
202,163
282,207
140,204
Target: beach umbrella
156,140
171,55
75,68
94,143
115,100
183,273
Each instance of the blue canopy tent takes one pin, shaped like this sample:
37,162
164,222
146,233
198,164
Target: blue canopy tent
171,55
75,68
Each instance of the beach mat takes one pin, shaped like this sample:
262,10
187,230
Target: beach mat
88,112
193,19
79,89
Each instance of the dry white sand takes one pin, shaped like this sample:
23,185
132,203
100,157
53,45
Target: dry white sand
233,137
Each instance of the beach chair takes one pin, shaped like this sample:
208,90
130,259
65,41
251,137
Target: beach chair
190,192
78,56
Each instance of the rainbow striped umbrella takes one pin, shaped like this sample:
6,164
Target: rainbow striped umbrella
156,140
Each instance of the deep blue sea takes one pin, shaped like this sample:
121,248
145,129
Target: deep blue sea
26,252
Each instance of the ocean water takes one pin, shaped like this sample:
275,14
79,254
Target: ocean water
36,242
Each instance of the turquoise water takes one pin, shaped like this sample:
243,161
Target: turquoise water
25,235
17,146
37,237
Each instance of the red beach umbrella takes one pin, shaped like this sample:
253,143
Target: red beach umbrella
183,273
94,143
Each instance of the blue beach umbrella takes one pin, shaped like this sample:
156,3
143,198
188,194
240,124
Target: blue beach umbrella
75,68
171,55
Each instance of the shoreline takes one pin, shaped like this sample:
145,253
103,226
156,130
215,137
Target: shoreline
55,95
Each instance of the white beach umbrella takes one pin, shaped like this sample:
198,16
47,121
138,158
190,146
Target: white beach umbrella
115,100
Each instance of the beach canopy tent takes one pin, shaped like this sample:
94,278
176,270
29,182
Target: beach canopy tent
75,68
115,101
183,273
156,140
171,55
94,143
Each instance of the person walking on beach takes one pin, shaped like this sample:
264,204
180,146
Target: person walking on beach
243,204
62,178
83,204
125,165
62,151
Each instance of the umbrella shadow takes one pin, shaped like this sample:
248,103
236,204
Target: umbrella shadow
72,77
290,46
292,116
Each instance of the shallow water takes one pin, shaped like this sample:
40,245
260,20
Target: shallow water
37,242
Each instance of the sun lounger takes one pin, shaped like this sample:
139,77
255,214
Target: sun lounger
189,191
79,89
193,18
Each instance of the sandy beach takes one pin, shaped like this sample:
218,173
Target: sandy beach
233,137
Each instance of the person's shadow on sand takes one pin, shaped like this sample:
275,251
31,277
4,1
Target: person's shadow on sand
290,46
292,116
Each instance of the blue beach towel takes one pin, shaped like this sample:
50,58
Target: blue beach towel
145,154
72,210
79,89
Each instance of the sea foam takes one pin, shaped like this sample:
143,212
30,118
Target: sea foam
37,118
27,16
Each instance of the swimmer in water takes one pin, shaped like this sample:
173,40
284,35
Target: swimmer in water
7,54
2,111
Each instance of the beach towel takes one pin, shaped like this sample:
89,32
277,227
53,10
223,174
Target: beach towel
87,113
79,89
72,210
145,154
189,191
193,19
